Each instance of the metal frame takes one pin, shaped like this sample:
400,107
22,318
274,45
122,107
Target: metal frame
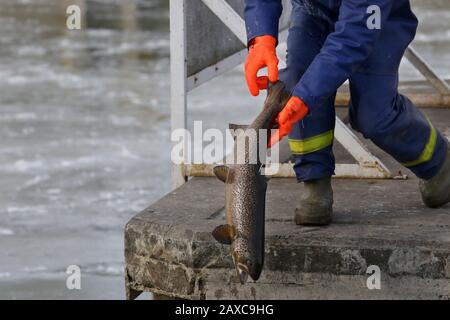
178,75
425,69
368,166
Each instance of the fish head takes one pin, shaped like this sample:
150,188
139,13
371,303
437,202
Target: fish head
246,259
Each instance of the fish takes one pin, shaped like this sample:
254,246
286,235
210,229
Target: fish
245,193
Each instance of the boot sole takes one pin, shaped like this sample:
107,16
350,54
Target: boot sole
312,220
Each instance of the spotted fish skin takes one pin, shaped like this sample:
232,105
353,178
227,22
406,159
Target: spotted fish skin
245,196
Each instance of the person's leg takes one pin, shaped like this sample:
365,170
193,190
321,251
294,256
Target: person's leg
391,120
394,124
311,140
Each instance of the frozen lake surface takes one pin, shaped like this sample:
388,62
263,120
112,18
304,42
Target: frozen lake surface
84,128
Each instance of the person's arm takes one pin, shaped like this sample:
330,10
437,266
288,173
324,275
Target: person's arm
262,18
343,52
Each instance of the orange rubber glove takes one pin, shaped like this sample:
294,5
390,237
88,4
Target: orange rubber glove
262,53
294,111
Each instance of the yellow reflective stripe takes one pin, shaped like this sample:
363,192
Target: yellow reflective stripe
428,152
312,144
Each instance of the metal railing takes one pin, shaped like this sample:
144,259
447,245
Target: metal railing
185,76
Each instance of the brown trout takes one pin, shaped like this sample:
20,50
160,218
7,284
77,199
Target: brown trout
246,194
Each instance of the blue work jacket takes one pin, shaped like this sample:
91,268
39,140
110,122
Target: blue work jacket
350,45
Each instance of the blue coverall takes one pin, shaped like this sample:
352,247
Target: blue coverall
329,42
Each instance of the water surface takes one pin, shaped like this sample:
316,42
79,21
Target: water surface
84,129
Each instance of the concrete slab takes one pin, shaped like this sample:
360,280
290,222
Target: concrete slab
169,248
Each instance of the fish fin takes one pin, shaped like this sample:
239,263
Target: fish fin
223,234
221,172
235,128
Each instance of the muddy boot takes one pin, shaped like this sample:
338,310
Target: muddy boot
436,191
316,204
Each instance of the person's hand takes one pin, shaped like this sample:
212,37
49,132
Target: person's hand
294,111
262,53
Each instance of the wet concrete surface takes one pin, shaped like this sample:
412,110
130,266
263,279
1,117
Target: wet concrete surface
169,248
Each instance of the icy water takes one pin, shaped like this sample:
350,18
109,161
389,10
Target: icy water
84,129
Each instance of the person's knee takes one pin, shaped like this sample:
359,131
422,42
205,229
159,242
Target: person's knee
372,114
371,125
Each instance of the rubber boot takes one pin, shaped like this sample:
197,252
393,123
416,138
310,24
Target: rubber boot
436,191
316,204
